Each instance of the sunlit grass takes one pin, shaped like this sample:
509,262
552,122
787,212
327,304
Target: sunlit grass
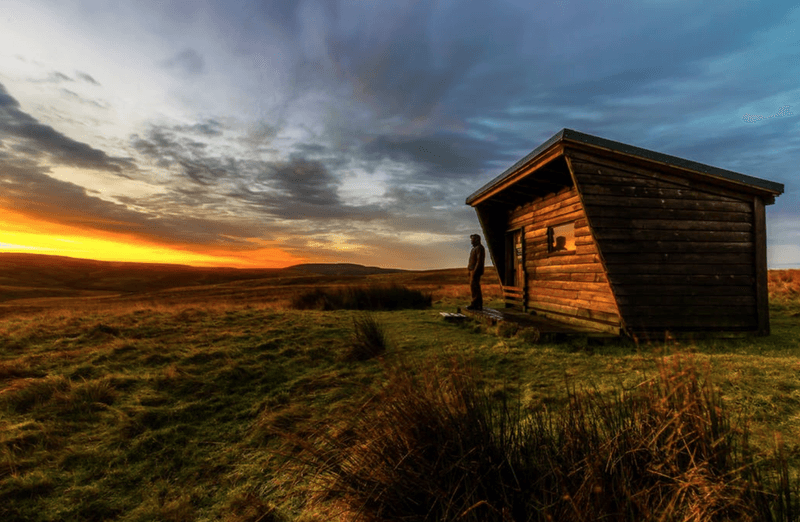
147,410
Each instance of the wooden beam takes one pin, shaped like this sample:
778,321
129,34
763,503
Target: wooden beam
656,281
598,326
671,224
669,247
760,238
523,172
670,213
666,203
700,237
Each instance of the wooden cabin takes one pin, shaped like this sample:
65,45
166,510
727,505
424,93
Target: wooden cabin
615,238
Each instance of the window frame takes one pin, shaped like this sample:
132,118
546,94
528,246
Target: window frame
551,239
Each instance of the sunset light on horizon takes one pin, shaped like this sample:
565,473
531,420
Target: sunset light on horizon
27,235
266,134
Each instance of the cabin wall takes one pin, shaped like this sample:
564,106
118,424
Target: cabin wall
680,255
572,287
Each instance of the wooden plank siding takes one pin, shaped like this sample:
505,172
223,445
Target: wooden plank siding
679,254
571,287
514,296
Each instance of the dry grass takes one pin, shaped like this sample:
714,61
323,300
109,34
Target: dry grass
368,340
784,285
433,446
374,297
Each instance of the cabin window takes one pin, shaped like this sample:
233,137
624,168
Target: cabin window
561,238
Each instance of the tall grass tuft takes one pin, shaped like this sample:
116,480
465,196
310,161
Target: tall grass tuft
368,339
434,446
376,297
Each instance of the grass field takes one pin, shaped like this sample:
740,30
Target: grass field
175,404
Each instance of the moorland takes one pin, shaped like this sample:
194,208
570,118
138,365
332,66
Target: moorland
156,392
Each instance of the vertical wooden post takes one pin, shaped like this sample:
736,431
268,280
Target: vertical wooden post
760,247
524,271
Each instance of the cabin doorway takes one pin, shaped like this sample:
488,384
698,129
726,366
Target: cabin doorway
515,275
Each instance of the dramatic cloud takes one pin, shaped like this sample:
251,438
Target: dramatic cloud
354,131
28,189
26,131
306,182
438,155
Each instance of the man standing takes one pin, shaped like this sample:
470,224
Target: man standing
476,258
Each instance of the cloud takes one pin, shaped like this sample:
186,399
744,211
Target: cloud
26,131
58,77
306,182
208,128
422,54
87,78
80,99
26,188
163,145
188,61
440,154
299,188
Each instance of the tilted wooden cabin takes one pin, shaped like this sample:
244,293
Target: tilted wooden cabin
615,238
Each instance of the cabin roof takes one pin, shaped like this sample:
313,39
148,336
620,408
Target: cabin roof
595,142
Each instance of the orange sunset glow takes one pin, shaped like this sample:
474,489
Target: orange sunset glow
29,235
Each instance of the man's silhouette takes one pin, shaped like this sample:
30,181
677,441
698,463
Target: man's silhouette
477,257
561,244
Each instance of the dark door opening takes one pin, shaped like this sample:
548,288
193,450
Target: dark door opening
515,268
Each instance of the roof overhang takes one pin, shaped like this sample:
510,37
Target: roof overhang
568,139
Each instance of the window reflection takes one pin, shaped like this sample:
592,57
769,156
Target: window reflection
561,238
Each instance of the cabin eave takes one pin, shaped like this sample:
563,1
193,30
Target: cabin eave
574,140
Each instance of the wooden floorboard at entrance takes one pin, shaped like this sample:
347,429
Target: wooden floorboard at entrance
525,320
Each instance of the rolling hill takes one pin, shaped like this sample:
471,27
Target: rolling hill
36,276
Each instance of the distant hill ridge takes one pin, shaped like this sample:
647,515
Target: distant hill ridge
27,275
340,269
12,260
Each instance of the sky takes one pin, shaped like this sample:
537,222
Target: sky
271,133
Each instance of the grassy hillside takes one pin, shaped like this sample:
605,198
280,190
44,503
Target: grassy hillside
168,405
33,276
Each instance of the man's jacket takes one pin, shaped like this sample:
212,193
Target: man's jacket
476,258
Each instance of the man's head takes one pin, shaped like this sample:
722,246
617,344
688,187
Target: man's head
475,239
